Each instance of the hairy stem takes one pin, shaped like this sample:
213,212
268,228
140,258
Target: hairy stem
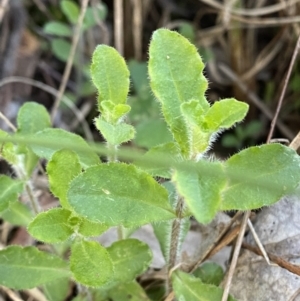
113,152
33,200
175,239
113,158
29,189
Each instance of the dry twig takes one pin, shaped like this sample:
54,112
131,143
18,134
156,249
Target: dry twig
252,12
3,5
137,28
235,256
286,80
118,26
256,100
295,144
69,64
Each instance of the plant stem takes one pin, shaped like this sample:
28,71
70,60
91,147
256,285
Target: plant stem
33,201
120,231
113,158
113,152
29,189
175,237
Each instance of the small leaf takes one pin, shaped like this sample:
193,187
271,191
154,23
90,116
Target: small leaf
224,114
91,264
17,214
186,29
110,75
58,29
113,112
57,290
93,14
9,190
130,291
187,287
51,226
115,134
61,49
32,118
7,149
88,228
201,191
113,193
176,76
193,111
17,263
205,123
61,139
71,10
130,258
18,155
210,273
271,170
66,161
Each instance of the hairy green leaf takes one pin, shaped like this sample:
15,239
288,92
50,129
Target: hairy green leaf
110,75
201,192
86,157
224,114
9,190
205,123
67,161
113,112
88,228
277,166
130,258
32,117
255,177
91,264
24,268
113,193
176,76
193,111
20,156
115,134
187,287
51,226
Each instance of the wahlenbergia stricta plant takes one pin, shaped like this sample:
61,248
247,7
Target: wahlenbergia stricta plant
95,195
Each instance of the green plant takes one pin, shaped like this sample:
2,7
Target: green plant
62,31
95,196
